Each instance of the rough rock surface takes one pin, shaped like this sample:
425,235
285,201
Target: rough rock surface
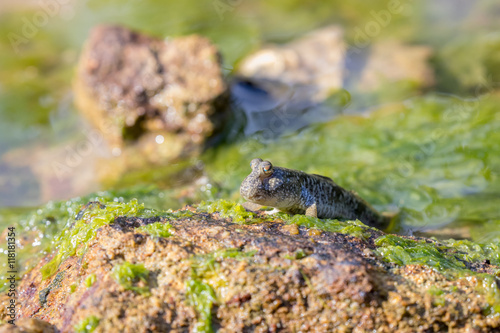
290,279
28,325
135,87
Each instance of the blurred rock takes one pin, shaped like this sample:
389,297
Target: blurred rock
130,85
315,60
281,88
391,62
311,80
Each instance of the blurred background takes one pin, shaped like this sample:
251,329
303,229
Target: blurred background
397,100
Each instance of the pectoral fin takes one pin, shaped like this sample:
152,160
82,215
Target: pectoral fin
312,210
252,207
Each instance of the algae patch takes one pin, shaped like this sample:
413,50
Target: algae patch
205,280
130,276
74,239
87,325
403,252
157,229
451,258
202,297
227,209
235,211
89,281
445,256
352,228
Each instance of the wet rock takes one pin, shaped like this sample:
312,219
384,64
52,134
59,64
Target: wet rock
257,277
168,95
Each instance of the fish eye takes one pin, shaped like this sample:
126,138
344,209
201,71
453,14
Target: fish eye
267,167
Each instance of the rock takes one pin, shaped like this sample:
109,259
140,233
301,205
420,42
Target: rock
28,325
280,87
312,79
133,87
316,60
220,266
391,62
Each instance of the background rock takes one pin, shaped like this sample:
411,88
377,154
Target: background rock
135,87
316,60
391,62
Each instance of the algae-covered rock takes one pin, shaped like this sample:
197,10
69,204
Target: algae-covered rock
135,87
217,267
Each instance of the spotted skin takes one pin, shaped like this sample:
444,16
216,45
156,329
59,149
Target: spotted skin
297,192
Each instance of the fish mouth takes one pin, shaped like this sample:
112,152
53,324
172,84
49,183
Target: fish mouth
253,197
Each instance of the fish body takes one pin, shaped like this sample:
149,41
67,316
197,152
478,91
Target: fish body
297,192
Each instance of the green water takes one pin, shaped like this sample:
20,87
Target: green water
431,155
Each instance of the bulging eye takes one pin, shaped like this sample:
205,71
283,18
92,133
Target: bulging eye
267,167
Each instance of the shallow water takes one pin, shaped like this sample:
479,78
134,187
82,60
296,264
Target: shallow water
434,158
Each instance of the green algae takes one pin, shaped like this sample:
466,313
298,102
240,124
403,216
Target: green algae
297,255
74,240
89,281
435,291
475,252
205,281
157,229
446,256
227,209
416,253
451,258
238,214
488,286
87,325
128,274
201,296
352,228
73,287
49,222
202,265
